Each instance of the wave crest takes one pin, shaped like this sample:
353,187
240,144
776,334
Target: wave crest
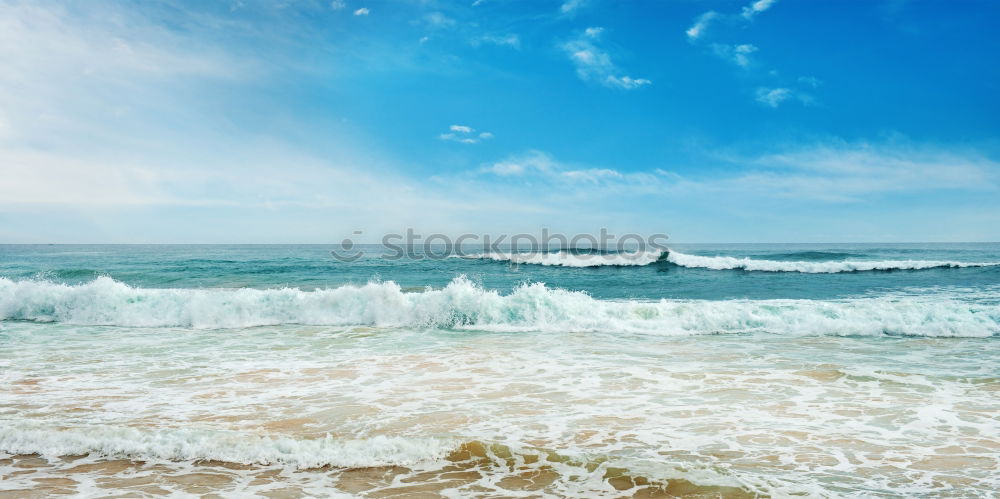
643,258
828,267
424,459
574,258
464,305
231,447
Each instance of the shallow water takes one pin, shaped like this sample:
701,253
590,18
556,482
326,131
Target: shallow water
493,386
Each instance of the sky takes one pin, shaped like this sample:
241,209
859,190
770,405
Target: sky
244,121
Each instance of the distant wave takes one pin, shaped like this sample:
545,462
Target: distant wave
812,255
464,305
816,266
827,267
574,258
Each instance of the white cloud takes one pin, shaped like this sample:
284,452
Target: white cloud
100,100
757,7
509,40
773,97
457,138
626,82
506,168
337,4
80,78
542,167
700,25
40,178
594,63
740,54
593,32
465,135
438,20
737,54
842,171
592,175
742,51
363,11
811,81
571,5
835,172
533,162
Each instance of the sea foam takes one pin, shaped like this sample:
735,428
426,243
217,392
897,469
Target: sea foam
642,258
464,305
827,267
228,446
570,259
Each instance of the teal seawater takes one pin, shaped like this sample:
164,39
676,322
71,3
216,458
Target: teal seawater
853,370
312,266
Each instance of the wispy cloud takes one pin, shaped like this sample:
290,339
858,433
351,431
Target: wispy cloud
850,172
338,4
102,96
773,97
701,23
569,6
508,40
832,172
704,20
123,69
737,54
532,162
363,11
626,82
811,81
465,135
438,20
594,64
534,166
779,90
844,171
756,8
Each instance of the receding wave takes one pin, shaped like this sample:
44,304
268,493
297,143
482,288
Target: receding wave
427,457
465,305
232,447
570,258
812,267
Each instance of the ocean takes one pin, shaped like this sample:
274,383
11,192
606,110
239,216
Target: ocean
806,370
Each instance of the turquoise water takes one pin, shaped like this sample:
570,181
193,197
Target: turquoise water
811,370
310,267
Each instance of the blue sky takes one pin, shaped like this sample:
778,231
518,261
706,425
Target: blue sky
285,122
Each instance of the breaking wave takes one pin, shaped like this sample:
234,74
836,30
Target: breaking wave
827,267
813,264
465,305
574,258
423,457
